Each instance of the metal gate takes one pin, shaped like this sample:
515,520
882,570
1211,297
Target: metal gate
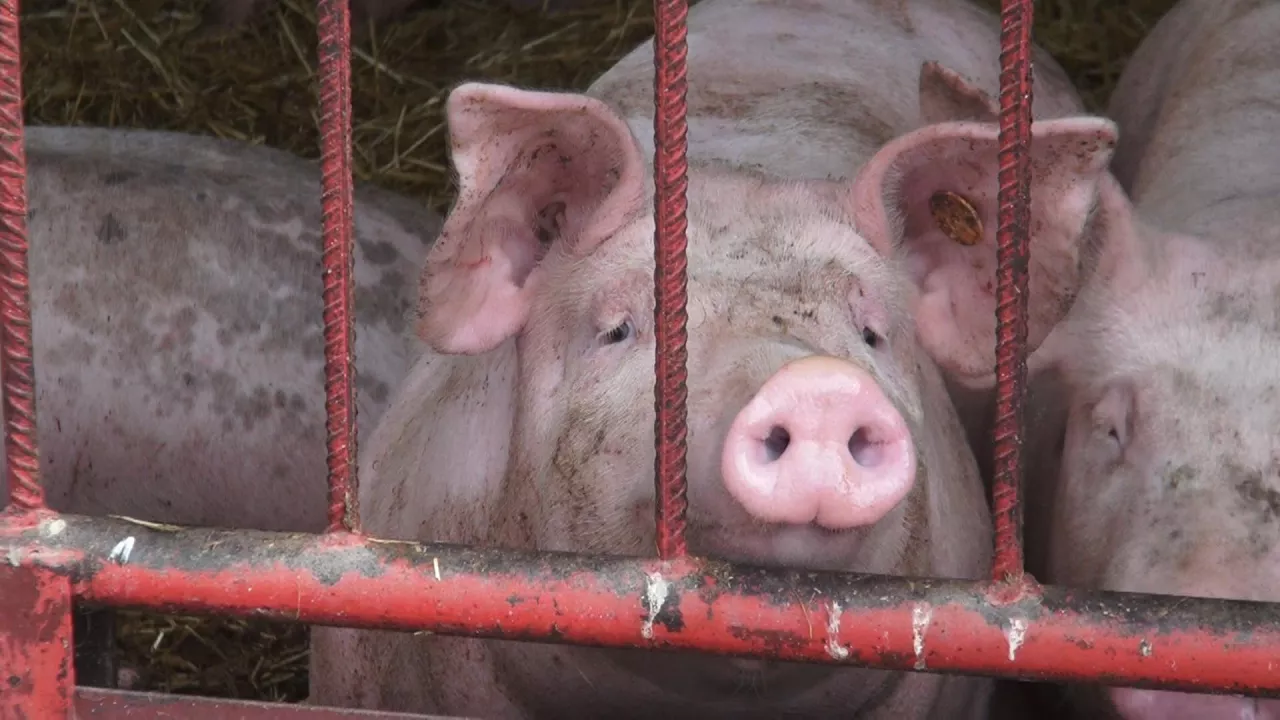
1009,626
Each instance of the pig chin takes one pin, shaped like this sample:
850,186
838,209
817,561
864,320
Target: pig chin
806,547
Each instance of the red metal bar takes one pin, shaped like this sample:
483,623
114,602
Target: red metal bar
17,371
36,672
685,604
670,171
102,704
337,198
1013,257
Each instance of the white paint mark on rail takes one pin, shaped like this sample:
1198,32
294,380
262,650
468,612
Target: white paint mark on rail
120,553
655,596
834,648
1016,634
921,616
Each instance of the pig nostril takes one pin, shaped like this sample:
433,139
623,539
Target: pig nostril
776,443
864,450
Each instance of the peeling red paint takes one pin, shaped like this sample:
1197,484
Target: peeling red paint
895,623
36,678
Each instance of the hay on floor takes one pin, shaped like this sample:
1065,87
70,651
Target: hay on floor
151,64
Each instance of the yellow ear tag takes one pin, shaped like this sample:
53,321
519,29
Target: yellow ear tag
956,217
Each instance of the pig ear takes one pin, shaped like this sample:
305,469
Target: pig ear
946,96
929,197
538,173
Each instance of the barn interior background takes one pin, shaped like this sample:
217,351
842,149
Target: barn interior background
160,64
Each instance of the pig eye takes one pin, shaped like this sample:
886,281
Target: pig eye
1113,416
870,337
617,334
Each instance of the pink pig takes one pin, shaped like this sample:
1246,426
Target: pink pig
1154,459
176,318
825,307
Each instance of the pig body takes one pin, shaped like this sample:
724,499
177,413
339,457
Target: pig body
1155,465
823,301
176,300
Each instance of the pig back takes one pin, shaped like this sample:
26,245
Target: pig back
1199,121
813,89
176,297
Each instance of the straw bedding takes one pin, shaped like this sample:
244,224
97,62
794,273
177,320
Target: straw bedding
157,64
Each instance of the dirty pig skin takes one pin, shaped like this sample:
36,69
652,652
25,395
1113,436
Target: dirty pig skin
831,301
1153,453
178,330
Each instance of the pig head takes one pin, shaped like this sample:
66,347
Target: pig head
820,430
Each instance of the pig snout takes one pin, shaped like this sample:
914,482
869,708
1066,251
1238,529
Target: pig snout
1136,704
819,443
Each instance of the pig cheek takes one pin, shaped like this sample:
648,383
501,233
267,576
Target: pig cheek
597,472
899,372
1077,510
603,458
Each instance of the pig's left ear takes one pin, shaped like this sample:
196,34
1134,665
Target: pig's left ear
538,173
929,198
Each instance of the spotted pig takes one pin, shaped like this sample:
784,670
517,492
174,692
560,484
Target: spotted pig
841,255
176,300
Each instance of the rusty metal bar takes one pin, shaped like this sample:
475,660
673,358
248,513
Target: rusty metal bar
337,202
110,704
685,604
670,276
17,370
1013,258
36,672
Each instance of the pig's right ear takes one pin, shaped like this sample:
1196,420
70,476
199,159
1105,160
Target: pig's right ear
538,173
929,198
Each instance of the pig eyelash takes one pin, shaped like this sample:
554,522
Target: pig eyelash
618,334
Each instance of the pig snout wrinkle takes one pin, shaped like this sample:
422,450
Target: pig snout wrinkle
1136,704
819,443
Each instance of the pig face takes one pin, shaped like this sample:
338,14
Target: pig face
817,426
1170,470
1170,459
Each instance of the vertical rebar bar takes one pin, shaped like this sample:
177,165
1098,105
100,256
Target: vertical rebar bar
670,165
337,196
17,368
1013,258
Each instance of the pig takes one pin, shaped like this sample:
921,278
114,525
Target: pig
178,337
826,305
1153,461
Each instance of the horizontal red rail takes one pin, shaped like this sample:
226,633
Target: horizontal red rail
1044,633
